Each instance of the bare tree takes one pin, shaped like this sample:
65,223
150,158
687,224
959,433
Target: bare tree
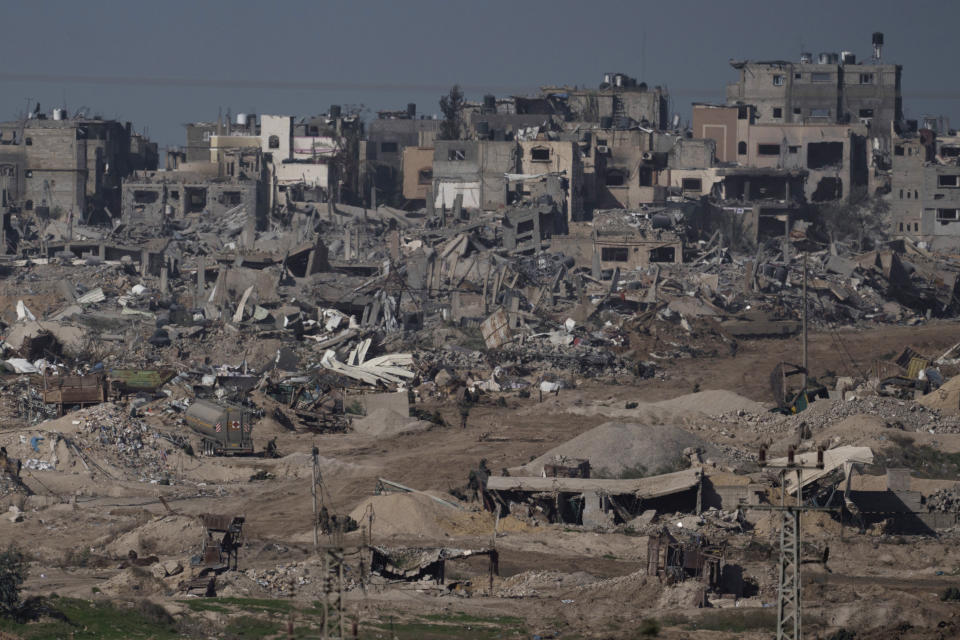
860,218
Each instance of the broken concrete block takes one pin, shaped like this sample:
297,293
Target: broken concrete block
443,378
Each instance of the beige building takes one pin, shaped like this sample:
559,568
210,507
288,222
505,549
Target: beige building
417,172
628,171
620,239
835,155
561,158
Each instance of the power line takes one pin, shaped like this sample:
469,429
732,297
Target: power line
339,85
258,83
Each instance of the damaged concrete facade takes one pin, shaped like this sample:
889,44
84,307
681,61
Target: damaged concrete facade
828,89
417,165
155,198
384,151
475,170
925,186
622,240
61,165
835,156
552,169
619,98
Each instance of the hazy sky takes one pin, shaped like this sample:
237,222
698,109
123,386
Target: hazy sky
163,63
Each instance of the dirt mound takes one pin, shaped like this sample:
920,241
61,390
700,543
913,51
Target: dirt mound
132,582
860,430
300,465
163,536
946,398
417,515
712,403
616,447
386,422
691,408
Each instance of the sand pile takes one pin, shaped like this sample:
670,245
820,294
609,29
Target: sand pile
300,465
162,536
946,398
132,582
417,515
387,422
712,403
615,447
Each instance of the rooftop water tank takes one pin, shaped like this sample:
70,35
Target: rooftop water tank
806,57
241,119
59,114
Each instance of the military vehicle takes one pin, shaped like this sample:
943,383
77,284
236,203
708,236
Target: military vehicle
226,429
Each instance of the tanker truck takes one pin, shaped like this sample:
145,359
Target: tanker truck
225,429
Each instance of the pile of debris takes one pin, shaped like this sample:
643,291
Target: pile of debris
944,500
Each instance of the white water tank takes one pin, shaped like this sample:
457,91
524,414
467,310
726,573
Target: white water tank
241,119
59,114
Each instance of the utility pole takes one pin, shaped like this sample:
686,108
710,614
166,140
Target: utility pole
334,622
789,609
314,486
804,322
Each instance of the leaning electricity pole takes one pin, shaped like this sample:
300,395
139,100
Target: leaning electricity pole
789,609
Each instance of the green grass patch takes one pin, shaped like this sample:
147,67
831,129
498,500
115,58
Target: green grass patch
462,618
102,620
252,628
226,605
427,631
441,626
206,604
736,620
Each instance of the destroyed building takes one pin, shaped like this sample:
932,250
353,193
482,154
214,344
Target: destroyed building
552,169
835,156
155,198
58,164
925,186
475,170
299,157
619,100
383,152
417,164
623,240
528,229
830,88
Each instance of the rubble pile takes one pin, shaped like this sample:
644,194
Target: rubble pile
902,415
285,580
944,500
109,441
